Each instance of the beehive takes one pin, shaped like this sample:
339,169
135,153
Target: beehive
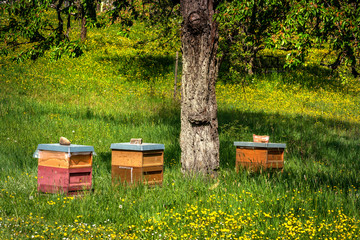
254,156
136,163
64,168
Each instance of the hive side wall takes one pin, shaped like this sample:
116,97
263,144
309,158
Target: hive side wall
126,158
53,159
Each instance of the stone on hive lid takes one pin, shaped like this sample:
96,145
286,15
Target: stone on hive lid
260,139
136,141
64,141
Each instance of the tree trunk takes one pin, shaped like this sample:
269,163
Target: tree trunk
83,28
68,26
251,65
82,16
60,28
199,138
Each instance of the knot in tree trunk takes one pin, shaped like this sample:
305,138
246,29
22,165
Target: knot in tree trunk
202,118
196,22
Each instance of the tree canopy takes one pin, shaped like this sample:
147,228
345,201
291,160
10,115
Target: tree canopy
332,24
246,27
40,24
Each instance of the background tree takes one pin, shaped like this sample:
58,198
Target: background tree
246,28
199,139
40,26
333,24
86,10
162,16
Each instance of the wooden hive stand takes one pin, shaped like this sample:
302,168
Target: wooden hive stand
64,168
255,156
137,163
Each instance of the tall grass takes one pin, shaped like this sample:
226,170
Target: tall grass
119,91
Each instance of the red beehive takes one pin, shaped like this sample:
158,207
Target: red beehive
64,168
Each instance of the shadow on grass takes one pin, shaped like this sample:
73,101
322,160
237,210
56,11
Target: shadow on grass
142,66
312,77
104,159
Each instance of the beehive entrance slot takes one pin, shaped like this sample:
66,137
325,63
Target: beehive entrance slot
152,172
152,154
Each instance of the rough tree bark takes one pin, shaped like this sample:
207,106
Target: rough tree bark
60,28
82,16
199,138
83,32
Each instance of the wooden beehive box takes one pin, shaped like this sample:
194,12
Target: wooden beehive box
136,163
255,156
64,168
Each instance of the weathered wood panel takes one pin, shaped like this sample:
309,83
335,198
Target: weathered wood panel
53,159
55,180
135,175
126,158
257,158
251,155
80,161
155,158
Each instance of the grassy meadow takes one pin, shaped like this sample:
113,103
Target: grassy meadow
121,90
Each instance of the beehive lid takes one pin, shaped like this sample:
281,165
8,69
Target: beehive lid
259,145
72,148
137,147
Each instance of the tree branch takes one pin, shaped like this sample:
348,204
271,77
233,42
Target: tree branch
335,64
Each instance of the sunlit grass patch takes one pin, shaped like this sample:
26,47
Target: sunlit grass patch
231,214
285,98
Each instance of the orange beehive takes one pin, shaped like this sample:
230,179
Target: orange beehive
64,168
253,155
135,163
